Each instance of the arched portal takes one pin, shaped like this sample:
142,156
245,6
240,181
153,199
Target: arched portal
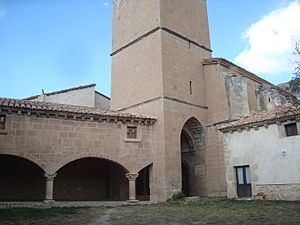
143,184
20,179
192,141
91,179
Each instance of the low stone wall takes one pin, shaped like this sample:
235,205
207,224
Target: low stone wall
289,192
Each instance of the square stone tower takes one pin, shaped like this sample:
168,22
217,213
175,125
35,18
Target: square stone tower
157,53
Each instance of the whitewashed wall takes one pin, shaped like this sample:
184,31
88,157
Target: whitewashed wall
101,101
274,161
83,97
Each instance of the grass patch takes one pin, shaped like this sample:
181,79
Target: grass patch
214,211
210,211
177,197
6,214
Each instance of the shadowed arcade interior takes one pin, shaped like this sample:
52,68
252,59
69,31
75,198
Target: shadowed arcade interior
20,179
91,179
143,184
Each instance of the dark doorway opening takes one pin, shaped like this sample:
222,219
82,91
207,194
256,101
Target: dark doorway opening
91,179
20,180
185,180
243,178
142,185
192,144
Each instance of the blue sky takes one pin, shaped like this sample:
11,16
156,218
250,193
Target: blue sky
58,44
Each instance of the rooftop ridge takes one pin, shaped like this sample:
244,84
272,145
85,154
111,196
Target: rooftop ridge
280,112
62,91
47,107
251,75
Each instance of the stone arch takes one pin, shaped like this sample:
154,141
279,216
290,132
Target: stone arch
89,155
91,179
192,144
27,156
20,179
194,132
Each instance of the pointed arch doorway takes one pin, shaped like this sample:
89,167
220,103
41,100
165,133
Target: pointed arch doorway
192,143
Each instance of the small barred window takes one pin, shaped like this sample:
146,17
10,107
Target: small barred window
2,122
131,132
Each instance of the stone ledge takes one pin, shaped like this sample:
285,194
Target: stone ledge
132,140
3,132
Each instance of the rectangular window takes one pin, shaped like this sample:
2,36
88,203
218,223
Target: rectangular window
2,122
240,175
131,132
291,129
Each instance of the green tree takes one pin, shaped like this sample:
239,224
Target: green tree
295,82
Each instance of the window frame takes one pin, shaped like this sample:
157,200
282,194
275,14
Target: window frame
282,128
295,127
135,133
2,122
244,186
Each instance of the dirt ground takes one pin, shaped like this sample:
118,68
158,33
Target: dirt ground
205,211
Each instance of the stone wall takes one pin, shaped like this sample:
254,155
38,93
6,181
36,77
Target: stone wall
290,192
51,143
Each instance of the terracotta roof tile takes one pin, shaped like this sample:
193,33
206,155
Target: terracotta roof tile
280,112
54,107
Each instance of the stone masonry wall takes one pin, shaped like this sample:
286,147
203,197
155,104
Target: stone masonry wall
53,142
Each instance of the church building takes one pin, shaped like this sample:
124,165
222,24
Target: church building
164,132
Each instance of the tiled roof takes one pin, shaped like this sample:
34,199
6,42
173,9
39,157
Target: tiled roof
19,105
62,91
250,75
279,113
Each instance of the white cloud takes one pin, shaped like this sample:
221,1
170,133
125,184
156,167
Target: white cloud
271,41
105,4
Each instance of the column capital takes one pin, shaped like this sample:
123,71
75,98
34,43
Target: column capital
132,176
50,177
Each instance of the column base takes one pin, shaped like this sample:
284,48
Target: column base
49,201
133,201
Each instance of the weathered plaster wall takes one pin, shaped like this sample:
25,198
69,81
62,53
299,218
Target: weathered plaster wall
101,101
272,171
237,94
232,93
84,97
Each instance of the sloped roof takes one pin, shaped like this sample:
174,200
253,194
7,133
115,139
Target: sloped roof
226,63
47,107
62,91
279,113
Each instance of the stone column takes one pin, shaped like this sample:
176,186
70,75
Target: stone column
132,192
49,187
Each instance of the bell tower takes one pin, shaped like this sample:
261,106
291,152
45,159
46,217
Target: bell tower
157,52
153,42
